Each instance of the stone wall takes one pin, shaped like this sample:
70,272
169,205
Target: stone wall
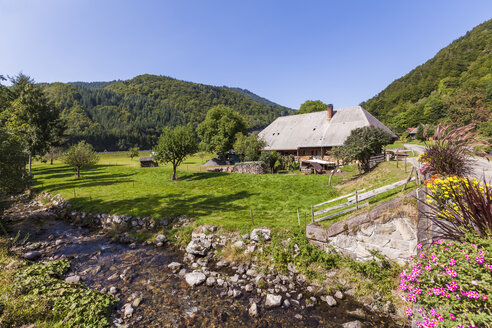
392,235
250,167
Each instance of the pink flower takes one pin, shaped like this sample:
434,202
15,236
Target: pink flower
418,324
419,246
452,286
484,297
479,259
428,267
452,261
452,316
409,311
451,273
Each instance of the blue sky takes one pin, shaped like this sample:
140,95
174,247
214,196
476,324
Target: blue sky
341,52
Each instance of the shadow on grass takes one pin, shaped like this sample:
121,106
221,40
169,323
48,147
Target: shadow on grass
94,177
201,176
162,206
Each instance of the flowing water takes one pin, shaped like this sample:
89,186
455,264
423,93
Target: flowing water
166,299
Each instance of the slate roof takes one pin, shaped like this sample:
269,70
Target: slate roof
315,130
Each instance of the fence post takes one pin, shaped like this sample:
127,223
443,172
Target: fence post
312,212
356,200
396,154
417,177
133,181
298,218
405,158
251,214
74,195
408,179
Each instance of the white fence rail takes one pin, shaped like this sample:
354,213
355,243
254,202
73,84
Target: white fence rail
358,198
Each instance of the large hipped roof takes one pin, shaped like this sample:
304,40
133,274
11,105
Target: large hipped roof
315,130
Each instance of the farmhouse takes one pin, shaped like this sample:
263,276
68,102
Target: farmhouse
311,136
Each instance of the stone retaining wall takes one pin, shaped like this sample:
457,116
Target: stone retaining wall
394,237
250,167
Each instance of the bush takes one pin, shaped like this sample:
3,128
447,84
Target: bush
248,147
269,158
450,284
460,205
362,143
35,294
449,155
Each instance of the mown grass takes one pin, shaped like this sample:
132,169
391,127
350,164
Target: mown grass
116,186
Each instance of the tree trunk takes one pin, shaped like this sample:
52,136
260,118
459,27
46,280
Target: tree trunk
78,172
174,178
30,164
333,173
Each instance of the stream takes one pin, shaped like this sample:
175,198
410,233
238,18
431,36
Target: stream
163,298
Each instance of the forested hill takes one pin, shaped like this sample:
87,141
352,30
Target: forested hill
119,114
253,96
454,86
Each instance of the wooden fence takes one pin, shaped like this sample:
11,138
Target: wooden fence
355,200
374,160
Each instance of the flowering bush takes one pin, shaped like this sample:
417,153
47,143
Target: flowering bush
449,285
458,205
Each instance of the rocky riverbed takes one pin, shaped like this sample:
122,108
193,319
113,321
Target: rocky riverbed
160,286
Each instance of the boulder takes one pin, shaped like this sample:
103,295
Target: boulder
273,300
198,246
195,278
330,300
32,255
210,281
239,244
253,310
260,234
160,239
72,279
174,266
128,310
353,324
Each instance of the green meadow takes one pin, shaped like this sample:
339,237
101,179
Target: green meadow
117,185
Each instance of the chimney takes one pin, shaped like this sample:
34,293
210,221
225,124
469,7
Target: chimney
330,111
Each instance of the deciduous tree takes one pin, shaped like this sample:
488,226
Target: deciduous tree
133,152
79,156
248,147
310,106
363,143
219,129
175,144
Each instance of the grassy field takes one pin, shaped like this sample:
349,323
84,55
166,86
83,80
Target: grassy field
118,186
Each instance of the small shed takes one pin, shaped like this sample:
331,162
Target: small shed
148,162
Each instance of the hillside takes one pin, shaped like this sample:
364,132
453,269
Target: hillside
119,114
253,96
454,86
